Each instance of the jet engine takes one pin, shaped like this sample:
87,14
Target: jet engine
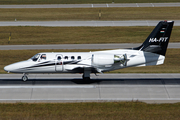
108,59
121,59
102,59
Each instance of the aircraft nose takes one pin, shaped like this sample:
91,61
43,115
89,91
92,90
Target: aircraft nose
8,68
15,67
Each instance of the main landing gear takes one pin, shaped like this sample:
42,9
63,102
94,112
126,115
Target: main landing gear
86,78
86,75
24,77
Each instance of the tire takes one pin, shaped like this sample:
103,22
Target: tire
86,78
24,78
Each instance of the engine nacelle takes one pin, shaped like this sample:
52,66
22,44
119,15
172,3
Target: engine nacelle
102,59
108,59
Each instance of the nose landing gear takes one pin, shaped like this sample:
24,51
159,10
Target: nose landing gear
24,77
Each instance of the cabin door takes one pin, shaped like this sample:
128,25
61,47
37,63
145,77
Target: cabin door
59,63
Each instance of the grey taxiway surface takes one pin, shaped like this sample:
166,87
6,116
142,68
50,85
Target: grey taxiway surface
150,88
78,46
93,5
84,23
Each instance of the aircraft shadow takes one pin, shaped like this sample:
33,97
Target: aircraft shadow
116,81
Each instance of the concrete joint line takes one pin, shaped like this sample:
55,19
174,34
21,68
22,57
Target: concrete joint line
137,5
113,23
147,23
166,91
107,5
31,93
99,91
152,4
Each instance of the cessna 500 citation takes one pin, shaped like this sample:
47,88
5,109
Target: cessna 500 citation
151,52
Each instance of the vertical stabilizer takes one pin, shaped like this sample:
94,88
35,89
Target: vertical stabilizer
158,40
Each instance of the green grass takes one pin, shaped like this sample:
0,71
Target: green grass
80,1
90,111
58,14
171,65
77,35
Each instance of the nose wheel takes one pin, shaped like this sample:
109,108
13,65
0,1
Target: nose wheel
24,78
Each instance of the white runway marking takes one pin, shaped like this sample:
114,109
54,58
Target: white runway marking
92,5
151,100
42,86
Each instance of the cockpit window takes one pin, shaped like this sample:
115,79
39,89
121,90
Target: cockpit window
35,57
43,56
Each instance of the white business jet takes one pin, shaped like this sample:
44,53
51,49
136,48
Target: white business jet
151,52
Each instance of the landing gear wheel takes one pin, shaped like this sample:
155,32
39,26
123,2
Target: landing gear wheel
85,78
86,74
24,78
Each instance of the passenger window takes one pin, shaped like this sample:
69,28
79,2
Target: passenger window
72,57
43,56
79,57
66,57
59,58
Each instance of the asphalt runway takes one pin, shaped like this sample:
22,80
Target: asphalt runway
78,46
93,5
84,23
149,88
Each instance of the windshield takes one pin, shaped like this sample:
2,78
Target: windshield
35,57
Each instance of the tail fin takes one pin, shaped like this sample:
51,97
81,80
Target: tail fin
158,40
